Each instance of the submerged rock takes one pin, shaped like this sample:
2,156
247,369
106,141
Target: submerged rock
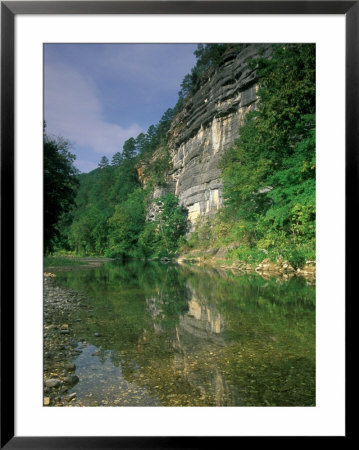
71,379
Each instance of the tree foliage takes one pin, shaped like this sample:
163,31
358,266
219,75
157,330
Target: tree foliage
126,225
99,193
162,236
60,185
88,234
103,163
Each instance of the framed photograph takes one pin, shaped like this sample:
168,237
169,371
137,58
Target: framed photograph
197,292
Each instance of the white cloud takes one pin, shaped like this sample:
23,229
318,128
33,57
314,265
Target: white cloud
73,110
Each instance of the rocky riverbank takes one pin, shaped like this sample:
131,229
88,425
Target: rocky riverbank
266,268
60,346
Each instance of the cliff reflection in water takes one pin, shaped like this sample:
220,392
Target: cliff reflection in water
199,331
189,336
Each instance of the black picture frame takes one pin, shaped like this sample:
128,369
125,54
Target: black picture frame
9,9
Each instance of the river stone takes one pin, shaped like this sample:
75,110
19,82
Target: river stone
71,379
46,401
70,367
97,334
70,397
52,383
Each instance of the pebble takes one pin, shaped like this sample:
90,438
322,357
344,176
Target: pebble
52,383
60,307
97,334
70,397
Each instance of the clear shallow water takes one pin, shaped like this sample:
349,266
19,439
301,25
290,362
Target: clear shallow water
154,334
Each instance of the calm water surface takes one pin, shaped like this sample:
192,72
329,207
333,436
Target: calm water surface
173,335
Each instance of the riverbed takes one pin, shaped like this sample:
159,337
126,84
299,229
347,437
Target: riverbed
161,334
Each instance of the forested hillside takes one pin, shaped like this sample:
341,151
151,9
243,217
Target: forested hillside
109,218
268,177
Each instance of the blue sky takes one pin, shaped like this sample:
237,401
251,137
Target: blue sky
99,95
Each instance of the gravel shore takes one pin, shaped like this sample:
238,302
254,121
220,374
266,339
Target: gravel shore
60,345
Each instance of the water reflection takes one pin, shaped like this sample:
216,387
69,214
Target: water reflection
188,336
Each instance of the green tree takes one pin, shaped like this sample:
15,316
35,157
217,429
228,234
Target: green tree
171,224
126,225
117,159
88,234
124,182
129,149
141,142
60,185
103,163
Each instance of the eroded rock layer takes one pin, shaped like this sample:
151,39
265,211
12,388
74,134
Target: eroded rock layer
209,124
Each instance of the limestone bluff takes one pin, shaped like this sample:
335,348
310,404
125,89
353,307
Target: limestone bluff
206,126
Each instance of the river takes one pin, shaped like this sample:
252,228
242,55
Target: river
155,334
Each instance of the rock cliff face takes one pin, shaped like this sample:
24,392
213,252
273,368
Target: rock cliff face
207,125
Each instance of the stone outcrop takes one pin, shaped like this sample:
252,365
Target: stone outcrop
308,270
280,266
207,125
